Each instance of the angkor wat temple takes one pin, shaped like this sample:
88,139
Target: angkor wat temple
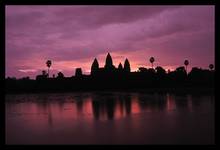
109,67
116,78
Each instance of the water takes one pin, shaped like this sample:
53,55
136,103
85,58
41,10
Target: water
109,118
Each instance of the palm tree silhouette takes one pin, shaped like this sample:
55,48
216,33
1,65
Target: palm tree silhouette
152,61
211,66
48,63
186,63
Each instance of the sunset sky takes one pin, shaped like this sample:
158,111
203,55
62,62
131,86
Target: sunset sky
72,36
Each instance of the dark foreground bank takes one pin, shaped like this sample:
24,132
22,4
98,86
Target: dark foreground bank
129,82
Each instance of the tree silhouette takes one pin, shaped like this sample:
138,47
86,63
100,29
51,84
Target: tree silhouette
211,66
127,67
186,63
43,76
60,75
160,70
152,61
179,75
180,69
48,63
142,69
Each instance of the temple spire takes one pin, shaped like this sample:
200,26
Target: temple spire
120,66
95,66
127,67
108,62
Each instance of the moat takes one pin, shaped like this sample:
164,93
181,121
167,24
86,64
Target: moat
110,118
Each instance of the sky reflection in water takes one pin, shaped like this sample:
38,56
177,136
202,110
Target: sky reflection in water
95,114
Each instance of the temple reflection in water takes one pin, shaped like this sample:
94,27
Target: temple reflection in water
103,106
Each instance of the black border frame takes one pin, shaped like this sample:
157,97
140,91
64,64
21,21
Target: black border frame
3,3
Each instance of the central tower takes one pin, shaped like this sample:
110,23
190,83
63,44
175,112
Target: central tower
108,62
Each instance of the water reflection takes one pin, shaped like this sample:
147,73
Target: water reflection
100,106
170,102
110,106
75,118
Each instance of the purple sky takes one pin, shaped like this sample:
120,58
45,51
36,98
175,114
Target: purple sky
72,36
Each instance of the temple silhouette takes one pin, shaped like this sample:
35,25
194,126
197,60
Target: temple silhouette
109,68
110,77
